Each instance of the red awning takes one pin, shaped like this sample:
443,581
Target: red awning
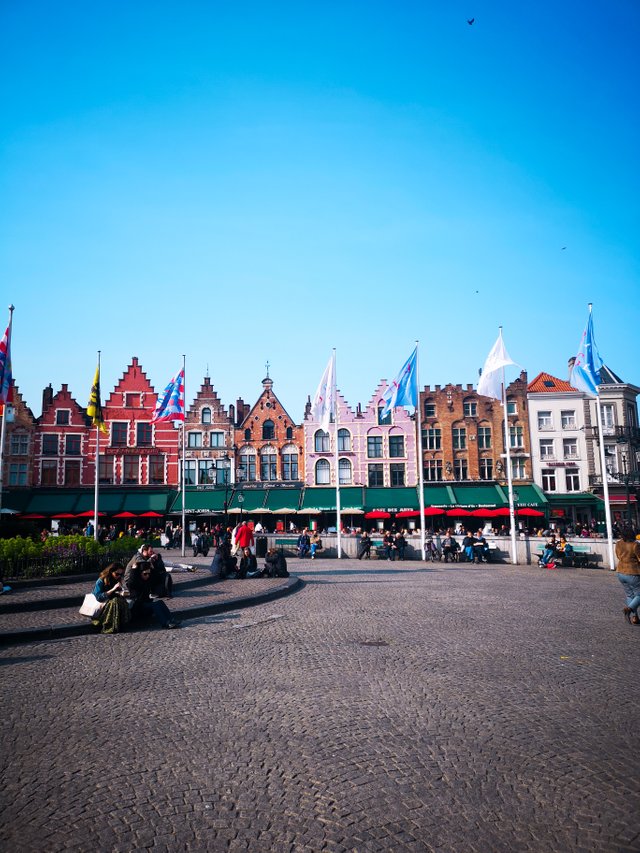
377,513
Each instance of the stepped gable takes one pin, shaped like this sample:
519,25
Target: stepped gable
207,396
133,380
63,399
546,383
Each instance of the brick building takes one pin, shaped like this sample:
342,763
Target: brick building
209,439
61,450
19,443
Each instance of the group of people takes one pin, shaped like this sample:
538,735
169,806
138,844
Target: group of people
134,593
243,563
309,543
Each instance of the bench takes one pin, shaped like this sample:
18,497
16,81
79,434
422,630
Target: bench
580,559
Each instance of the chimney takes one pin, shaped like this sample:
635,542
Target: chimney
572,361
47,397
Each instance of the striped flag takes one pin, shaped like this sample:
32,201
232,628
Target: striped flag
170,405
6,395
94,409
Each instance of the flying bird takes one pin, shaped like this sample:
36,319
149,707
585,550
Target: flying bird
563,248
470,21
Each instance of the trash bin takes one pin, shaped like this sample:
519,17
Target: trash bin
261,546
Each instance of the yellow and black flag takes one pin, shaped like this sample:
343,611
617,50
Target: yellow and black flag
94,409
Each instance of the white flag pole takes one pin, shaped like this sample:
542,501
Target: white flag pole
423,546
97,471
4,406
184,457
334,398
512,514
605,487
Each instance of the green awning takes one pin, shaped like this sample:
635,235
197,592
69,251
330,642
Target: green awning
575,499
53,502
151,501
253,501
440,496
529,495
282,500
108,501
17,500
390,500
317,500
201,501
474,497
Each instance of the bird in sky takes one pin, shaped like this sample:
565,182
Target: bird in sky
563,248
470,21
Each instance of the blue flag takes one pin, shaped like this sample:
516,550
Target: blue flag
585,373
403,391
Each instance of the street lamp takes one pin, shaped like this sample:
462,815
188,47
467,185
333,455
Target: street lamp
226,467
240,502
626,487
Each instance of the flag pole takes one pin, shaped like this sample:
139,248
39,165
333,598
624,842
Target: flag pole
423,547
512,513
334,397
96,477
184,458
4,403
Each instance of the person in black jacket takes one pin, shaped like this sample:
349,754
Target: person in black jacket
275,564
140,587
365,546
248,564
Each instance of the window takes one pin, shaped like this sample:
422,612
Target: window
344,467
431,438
433,469
516,437
376,475
205,416
396,446
194,439
63,417
268,468
323,472
459,438
374,446
518,469
247,435
396,474
49,473
548,480
486,469
72,445
131,470
429,409
545,421
289,433
512,408
386,420
144,435
268,430
18,474
608,416
72,472
470,410
19,445
321,441
568,419
156,470
216,439
546,449
105,469
570,448
484,438
460,469
190,472
206,472
344,441
132,401
247,467
119,434
573,479
49,445
289,466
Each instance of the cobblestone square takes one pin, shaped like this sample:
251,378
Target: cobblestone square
383,707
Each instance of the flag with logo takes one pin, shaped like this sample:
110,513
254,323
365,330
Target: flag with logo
6,393
585,373
490,384
324,401
170,405
403,391
94,409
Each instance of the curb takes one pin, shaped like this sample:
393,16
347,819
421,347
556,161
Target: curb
27,635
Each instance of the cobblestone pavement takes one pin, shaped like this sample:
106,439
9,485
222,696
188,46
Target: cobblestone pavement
384,707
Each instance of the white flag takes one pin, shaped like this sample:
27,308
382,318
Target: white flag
490,384
324,401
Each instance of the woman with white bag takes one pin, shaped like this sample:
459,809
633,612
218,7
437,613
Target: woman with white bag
114,615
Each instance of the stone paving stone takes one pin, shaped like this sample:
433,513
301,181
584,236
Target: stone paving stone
495,718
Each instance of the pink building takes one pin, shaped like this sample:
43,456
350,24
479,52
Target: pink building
372,451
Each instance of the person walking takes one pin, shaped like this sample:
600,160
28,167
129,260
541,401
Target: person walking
628,570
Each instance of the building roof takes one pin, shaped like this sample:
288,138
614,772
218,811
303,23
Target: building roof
546,383
608,377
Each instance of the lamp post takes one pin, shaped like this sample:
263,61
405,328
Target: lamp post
226,466
626,487
240,502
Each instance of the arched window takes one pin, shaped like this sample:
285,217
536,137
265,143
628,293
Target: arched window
247,434
344,467
289,433
323,472
268,430
321,440
247,465
289,456
344,440
206,416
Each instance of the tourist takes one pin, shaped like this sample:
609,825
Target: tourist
108,589
628,570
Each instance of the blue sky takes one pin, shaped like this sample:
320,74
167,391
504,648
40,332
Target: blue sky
249,182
